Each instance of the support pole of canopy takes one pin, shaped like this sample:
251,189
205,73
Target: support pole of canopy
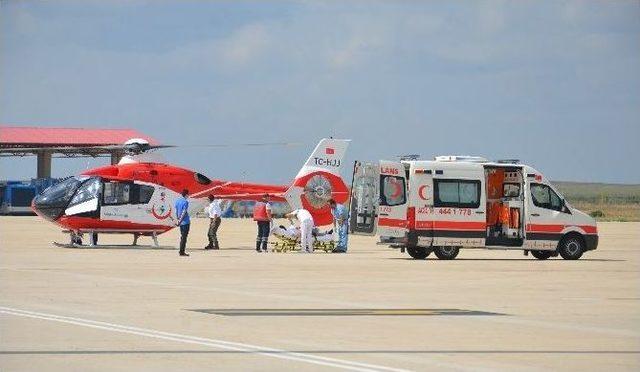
44,164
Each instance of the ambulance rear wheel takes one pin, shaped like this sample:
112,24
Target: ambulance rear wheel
419,253
541,255
446,253
571,247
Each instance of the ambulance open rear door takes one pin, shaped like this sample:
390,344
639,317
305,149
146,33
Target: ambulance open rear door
392,211
364,201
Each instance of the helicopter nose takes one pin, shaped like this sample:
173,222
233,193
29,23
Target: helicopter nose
46,208
53,201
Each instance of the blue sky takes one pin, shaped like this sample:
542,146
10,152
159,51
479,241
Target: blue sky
554,83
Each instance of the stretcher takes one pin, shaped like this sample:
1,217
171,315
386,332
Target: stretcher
288,239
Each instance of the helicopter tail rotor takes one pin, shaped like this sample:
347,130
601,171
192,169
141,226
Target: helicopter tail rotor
319,181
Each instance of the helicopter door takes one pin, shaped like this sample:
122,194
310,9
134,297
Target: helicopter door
393,200
116,197
363,205
85,201
128,201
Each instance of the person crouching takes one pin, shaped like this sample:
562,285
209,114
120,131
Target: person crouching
306,228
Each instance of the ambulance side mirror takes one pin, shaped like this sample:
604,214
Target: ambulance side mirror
564,208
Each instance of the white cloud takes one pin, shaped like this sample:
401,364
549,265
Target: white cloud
347,55
246,44
358,39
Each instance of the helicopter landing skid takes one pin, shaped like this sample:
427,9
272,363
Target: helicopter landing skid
75,239
112,246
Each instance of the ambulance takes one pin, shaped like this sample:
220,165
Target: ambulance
454,202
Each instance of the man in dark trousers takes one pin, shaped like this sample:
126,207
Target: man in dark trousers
215,213
262,215
182,213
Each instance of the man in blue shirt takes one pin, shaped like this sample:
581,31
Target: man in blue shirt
182,213
341,225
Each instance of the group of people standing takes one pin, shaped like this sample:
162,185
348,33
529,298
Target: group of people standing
263,217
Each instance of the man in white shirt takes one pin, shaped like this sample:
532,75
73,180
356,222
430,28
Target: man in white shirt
215,214
306,228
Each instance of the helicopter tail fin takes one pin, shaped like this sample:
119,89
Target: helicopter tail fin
319,180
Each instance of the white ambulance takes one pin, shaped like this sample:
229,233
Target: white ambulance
458,202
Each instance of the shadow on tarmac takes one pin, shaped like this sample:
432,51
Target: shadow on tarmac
147,248
115,247
507,259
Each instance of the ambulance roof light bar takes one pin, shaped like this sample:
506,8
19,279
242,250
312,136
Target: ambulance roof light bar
466,158
409,157
508,161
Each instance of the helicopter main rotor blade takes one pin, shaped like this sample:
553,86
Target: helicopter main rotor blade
132,148
254,144
77,148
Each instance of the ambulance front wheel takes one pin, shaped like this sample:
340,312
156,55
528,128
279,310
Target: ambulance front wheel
419,253
571,247
446,253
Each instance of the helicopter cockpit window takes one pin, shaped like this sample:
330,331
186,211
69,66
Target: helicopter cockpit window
202,179
89,190
59,194
116,193
53,201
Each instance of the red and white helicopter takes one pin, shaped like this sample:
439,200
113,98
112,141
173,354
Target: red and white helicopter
137,195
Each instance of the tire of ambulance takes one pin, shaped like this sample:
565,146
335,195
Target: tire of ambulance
571,247
446,253
541,255
418,253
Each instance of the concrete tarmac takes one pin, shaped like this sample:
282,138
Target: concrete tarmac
105,309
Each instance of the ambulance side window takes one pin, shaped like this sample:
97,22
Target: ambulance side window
393,190
544,197
456,193
511,190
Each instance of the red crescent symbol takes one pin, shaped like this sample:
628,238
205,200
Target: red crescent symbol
398,189
420,192
158,216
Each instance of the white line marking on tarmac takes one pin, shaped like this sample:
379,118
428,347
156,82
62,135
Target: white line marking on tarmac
501,319
220,344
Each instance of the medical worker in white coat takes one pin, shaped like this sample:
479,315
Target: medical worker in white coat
306,227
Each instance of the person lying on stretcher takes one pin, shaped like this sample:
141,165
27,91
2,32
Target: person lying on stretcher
293,232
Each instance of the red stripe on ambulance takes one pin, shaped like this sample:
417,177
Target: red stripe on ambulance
556,228
451,225
392,222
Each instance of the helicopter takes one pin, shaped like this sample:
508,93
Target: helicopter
137,195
